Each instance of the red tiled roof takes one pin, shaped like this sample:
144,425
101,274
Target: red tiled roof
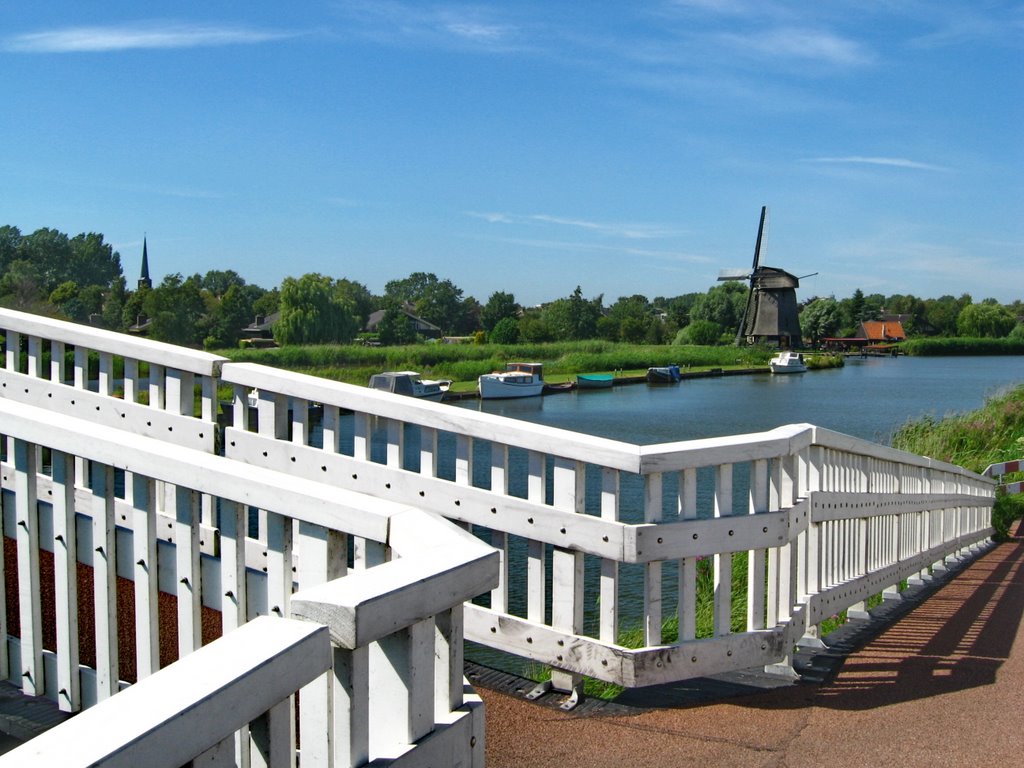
883,330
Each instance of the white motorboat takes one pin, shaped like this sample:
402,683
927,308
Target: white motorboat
788,362
409,383
517,380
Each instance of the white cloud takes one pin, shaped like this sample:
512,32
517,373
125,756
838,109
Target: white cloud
801,44
892,162
146,35
629,231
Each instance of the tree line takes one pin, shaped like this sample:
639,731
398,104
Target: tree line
80,278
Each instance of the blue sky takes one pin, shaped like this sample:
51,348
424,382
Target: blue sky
527,147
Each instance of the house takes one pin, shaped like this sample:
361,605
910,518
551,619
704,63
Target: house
260,332
422,327
882,331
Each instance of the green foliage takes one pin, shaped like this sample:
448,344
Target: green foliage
573,318
395,327
985,320
1008,507
938,347
505,331
500,306
820,320
989,435
312,312
723,305
705,332
437,301
175,309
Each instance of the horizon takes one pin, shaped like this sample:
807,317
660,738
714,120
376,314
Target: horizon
528,148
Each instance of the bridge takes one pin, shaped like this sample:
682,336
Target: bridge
230,563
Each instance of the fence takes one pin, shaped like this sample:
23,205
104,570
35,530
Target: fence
593,539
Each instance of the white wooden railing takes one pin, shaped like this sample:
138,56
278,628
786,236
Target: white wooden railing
595,536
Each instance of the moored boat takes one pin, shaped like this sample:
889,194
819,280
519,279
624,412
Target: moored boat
664,374
409,383
517,380
788,362
594,380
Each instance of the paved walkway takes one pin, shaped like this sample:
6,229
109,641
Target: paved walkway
943,685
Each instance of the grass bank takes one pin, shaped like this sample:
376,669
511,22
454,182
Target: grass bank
989,435
465,362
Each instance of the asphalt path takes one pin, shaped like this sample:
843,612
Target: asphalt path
943,685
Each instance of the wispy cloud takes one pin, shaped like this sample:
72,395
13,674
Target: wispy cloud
400,22
794,44
891,162
138,36
630,231
582,247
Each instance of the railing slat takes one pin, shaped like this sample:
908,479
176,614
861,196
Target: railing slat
65,566
27,522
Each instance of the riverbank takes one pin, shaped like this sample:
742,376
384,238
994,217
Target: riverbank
463,364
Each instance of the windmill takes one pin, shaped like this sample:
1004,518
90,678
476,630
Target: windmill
771,315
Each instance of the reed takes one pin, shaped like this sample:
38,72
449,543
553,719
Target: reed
960,346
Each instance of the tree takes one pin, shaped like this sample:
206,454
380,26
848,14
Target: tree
703,332
93,262
175,309
436,301
312,312
533,328
941,314
723,305
820,320
985,320
395,327
573,318
20,284
505,331
229,316
218,281
114,304
10,239
632,319
499,306
358,298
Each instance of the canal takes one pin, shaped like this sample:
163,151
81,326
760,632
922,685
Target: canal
868,398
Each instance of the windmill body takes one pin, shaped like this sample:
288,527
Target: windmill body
771,315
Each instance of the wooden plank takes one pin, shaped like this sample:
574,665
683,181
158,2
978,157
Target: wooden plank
351,707
189,581
608,620
687,609
233,519
142,496
27,534
108,341
530,518
104,564
65,565
652,570
108,411
365,606
186,709
499,538
723,561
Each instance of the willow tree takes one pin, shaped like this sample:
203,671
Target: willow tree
313,312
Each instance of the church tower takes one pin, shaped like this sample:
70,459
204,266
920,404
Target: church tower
144,281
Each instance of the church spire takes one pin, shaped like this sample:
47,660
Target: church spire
144,281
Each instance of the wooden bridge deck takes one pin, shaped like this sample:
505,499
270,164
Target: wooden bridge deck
938,676
942,684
